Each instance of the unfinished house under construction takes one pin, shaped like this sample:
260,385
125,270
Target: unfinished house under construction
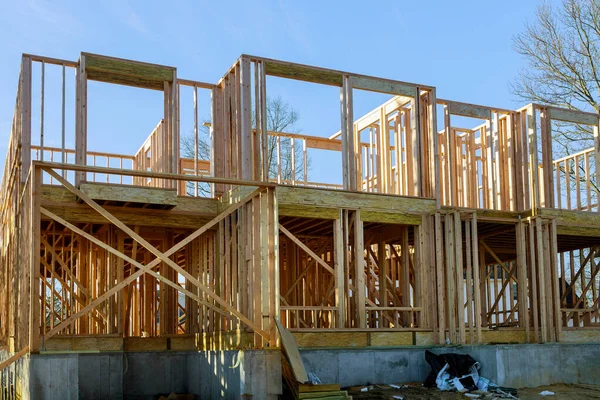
128,275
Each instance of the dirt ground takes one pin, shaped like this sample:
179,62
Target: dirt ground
414,392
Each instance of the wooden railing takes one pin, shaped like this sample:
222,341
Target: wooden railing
397,317
95,159
309,317
575,184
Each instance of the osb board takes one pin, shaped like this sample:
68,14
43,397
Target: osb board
127,193
57,194
145,344
230,340
183,343
290,352
304,211
391,218
391,338
331,339
512,336
577,223
197,205
424,339
73,343
580,336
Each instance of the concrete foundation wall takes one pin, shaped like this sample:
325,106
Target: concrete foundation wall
257,373
14,380
144,375
507,365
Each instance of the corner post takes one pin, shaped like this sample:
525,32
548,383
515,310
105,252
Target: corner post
80,119
25,116
34,275
245,131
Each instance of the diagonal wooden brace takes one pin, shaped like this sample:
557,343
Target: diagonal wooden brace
162,257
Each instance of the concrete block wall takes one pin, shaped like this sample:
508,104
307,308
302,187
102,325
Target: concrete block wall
516,366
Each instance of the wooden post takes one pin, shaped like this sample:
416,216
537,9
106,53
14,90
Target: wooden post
435,162
469,280
34,290
217,149
359,270
450,163
554,276
353,140
405,276
548,176
522,276
533,158
441,289
338,256
417,154
383,273
382,153
476,277
274,271
597,151
450,276
541,278
25,116
348,135
80,119
245,132
460,296
265,136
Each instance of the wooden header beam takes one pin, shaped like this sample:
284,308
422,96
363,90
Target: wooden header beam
127,72
471,110
576,117
327,76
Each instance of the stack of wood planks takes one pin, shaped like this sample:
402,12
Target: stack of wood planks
294,374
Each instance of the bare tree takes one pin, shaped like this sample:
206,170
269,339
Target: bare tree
281,117
562,49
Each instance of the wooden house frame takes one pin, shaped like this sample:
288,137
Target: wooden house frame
436,232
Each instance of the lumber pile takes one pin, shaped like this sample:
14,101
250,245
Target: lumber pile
294,374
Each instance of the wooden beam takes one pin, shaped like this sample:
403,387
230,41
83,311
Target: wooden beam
382,86
126,72
468,110
302,73
574,116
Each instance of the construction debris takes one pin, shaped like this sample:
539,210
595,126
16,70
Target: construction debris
460,372
297,382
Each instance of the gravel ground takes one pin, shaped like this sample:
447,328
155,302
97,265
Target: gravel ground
415,392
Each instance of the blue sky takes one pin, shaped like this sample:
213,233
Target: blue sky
462,48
